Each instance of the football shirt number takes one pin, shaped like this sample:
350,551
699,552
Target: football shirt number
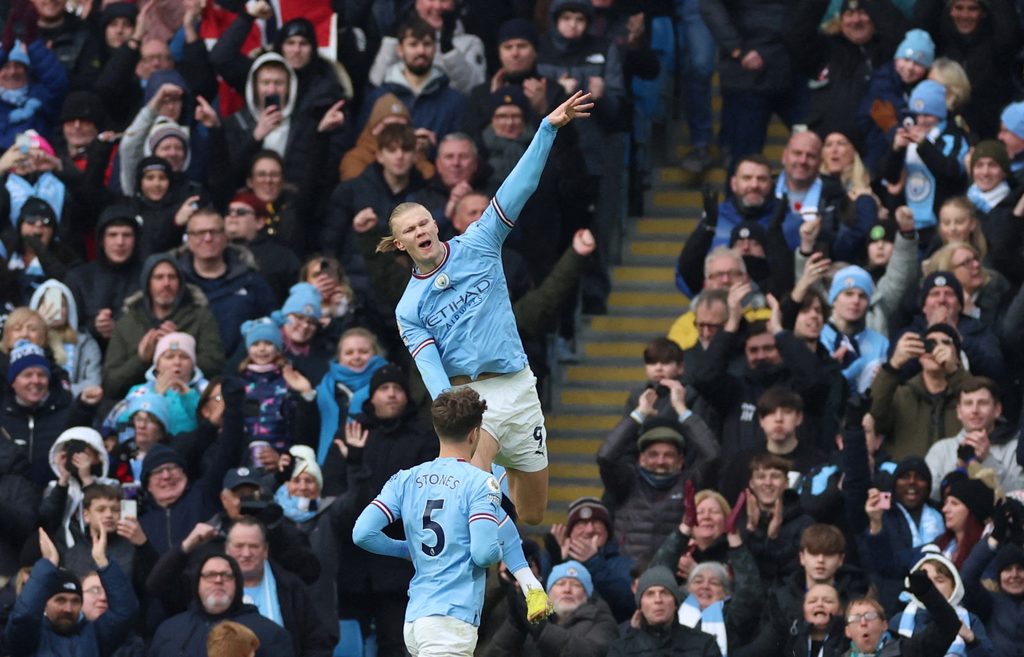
430,525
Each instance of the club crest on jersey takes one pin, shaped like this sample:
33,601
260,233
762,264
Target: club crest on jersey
442,282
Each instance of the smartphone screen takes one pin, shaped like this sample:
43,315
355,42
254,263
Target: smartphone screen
129,509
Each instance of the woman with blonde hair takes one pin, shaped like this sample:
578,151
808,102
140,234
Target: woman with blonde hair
840,160
701,535
26,324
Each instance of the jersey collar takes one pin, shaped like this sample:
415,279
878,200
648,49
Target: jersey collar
447,252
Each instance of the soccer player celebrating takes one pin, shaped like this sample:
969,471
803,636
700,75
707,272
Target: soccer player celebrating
450,511
456,319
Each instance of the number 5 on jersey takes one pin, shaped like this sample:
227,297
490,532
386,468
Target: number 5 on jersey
431,526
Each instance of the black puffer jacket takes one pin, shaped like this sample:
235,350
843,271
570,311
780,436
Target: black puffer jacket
101,284
646,514
34,430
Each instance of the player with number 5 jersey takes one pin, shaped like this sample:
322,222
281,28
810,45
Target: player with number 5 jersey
456,319
451,511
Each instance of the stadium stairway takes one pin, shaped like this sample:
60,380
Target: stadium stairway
589,396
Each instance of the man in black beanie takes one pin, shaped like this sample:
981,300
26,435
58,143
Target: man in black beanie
942,301
517,53
47,618
658,598
372,588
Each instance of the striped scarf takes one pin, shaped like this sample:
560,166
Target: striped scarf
710,619
909,619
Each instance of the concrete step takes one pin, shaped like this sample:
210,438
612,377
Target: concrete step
645,275
604,374
610,324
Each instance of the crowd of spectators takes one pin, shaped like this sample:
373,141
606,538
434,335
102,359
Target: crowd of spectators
204,382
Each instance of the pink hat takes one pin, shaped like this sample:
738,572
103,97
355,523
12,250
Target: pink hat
182,341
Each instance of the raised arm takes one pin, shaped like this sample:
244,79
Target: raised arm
522,181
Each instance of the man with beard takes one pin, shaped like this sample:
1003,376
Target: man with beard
218,597
166,303
47,617
581,625
423,87
772,358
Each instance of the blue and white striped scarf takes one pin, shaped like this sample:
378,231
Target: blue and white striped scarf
909,619
711,620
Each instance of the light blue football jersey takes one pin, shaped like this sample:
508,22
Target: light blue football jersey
437,502
457,319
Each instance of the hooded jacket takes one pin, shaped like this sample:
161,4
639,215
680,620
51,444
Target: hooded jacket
101,284
580,59
136,143
240,294
364,153
435,107
293,139
123,367
84,359
185,633
61,510
30,634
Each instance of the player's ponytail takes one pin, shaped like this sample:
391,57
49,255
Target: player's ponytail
387,243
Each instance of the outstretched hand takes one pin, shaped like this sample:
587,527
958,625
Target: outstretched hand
578,105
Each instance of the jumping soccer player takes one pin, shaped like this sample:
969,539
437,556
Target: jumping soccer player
451,512
456,319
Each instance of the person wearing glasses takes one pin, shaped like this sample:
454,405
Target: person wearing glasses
247,222
35,252
218,596
226,274
174,502
987,292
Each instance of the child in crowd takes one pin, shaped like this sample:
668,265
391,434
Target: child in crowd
271,417
175,376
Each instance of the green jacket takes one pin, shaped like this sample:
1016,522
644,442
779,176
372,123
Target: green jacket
911,417
122,367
